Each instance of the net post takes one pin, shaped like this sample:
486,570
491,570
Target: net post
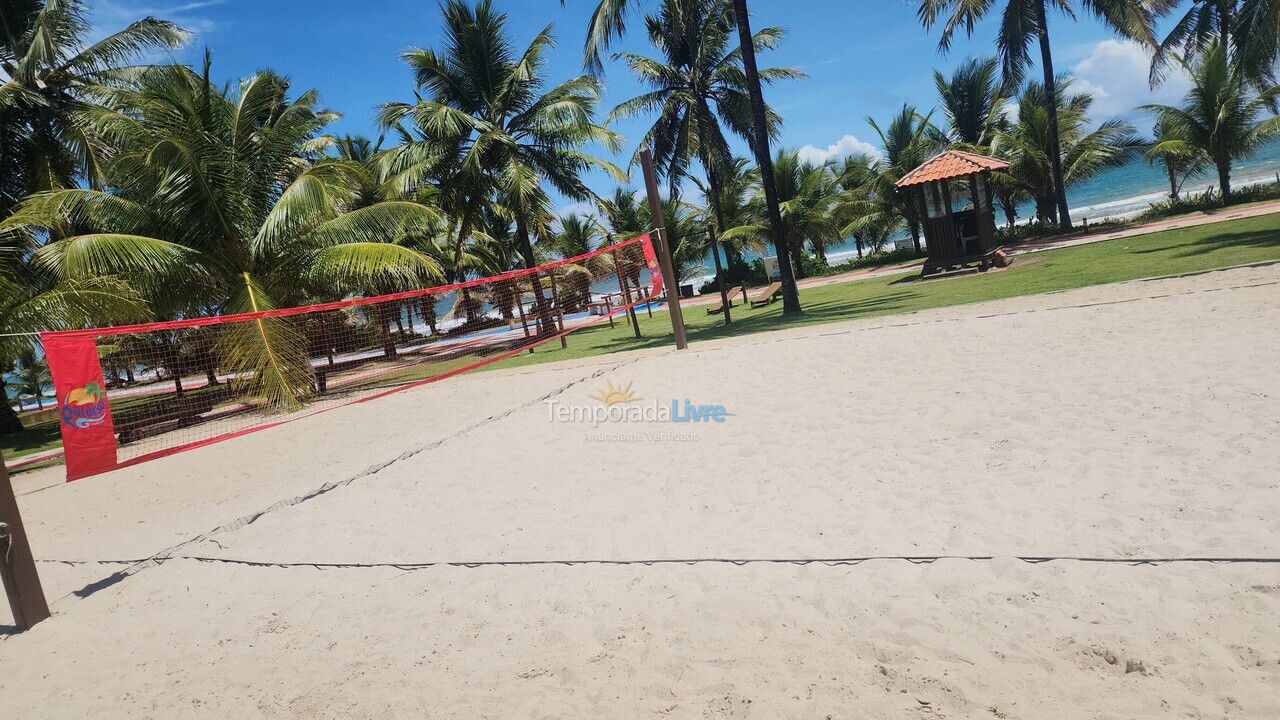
662,246
17,566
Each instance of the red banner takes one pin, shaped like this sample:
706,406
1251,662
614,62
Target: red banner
84,414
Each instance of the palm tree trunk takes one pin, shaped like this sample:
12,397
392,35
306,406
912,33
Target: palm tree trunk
1051,98
1173,182
1224,24
9,421
39,400
545,321
1224,180
857,243
713,179
760,144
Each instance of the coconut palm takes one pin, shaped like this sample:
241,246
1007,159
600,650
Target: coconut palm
857,177
34,300
807,192
908,140
32,374
697,91
1249,30
1219,116
1179,159
1027,144
973,99
608,22
489,132
577,236
1024,22
221,200
742,216
51,75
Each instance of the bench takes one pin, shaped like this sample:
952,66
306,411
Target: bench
185,411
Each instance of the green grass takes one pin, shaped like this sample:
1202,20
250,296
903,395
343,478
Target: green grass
1170,252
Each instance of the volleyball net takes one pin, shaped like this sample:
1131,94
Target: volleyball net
129,394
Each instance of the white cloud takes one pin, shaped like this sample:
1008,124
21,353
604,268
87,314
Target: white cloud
847,145
1116,74
108,16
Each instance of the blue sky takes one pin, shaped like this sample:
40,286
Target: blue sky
863,57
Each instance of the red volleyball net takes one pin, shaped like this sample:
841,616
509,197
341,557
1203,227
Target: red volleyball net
134,393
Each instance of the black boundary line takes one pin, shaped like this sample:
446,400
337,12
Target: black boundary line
156,559
829,561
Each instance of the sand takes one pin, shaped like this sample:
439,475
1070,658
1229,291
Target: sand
451,552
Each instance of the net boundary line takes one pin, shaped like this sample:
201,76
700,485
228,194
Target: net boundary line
341,304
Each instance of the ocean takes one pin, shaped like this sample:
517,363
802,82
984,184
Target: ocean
1116,193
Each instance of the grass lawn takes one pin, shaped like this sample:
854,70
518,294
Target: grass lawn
1206,247
1234,242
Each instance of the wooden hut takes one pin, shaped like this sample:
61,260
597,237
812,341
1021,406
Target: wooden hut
952,192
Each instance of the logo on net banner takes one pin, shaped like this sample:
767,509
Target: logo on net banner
620,404
84,406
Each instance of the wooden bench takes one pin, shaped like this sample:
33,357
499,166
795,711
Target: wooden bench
185,410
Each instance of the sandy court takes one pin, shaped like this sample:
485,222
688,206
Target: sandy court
1131,421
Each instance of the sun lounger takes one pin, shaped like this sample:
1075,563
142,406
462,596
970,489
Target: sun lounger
719,307
766,296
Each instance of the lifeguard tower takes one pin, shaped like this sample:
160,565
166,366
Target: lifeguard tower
953,192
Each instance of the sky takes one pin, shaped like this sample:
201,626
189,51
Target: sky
862,57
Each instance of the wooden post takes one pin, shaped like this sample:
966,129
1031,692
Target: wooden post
17,566
662,245
715,253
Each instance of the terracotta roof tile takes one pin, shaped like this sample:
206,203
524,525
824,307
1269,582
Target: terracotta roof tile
950,164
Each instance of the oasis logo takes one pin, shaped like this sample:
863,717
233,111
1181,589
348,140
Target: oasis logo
85,406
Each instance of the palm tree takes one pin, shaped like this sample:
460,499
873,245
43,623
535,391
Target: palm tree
807,193
52,78
1026,143
33,300
578,236
608,22
1025,21
857,177
488,133
32,374
1249,30
973,99
1219,115
742,217
221,200
697,91
908,140
1179,159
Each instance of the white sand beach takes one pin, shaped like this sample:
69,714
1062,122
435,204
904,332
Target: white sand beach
936,514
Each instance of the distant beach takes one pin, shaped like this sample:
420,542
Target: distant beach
1112,194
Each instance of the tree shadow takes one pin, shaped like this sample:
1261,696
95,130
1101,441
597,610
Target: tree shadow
1213,243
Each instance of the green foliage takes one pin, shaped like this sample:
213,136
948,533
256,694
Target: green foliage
1220,118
